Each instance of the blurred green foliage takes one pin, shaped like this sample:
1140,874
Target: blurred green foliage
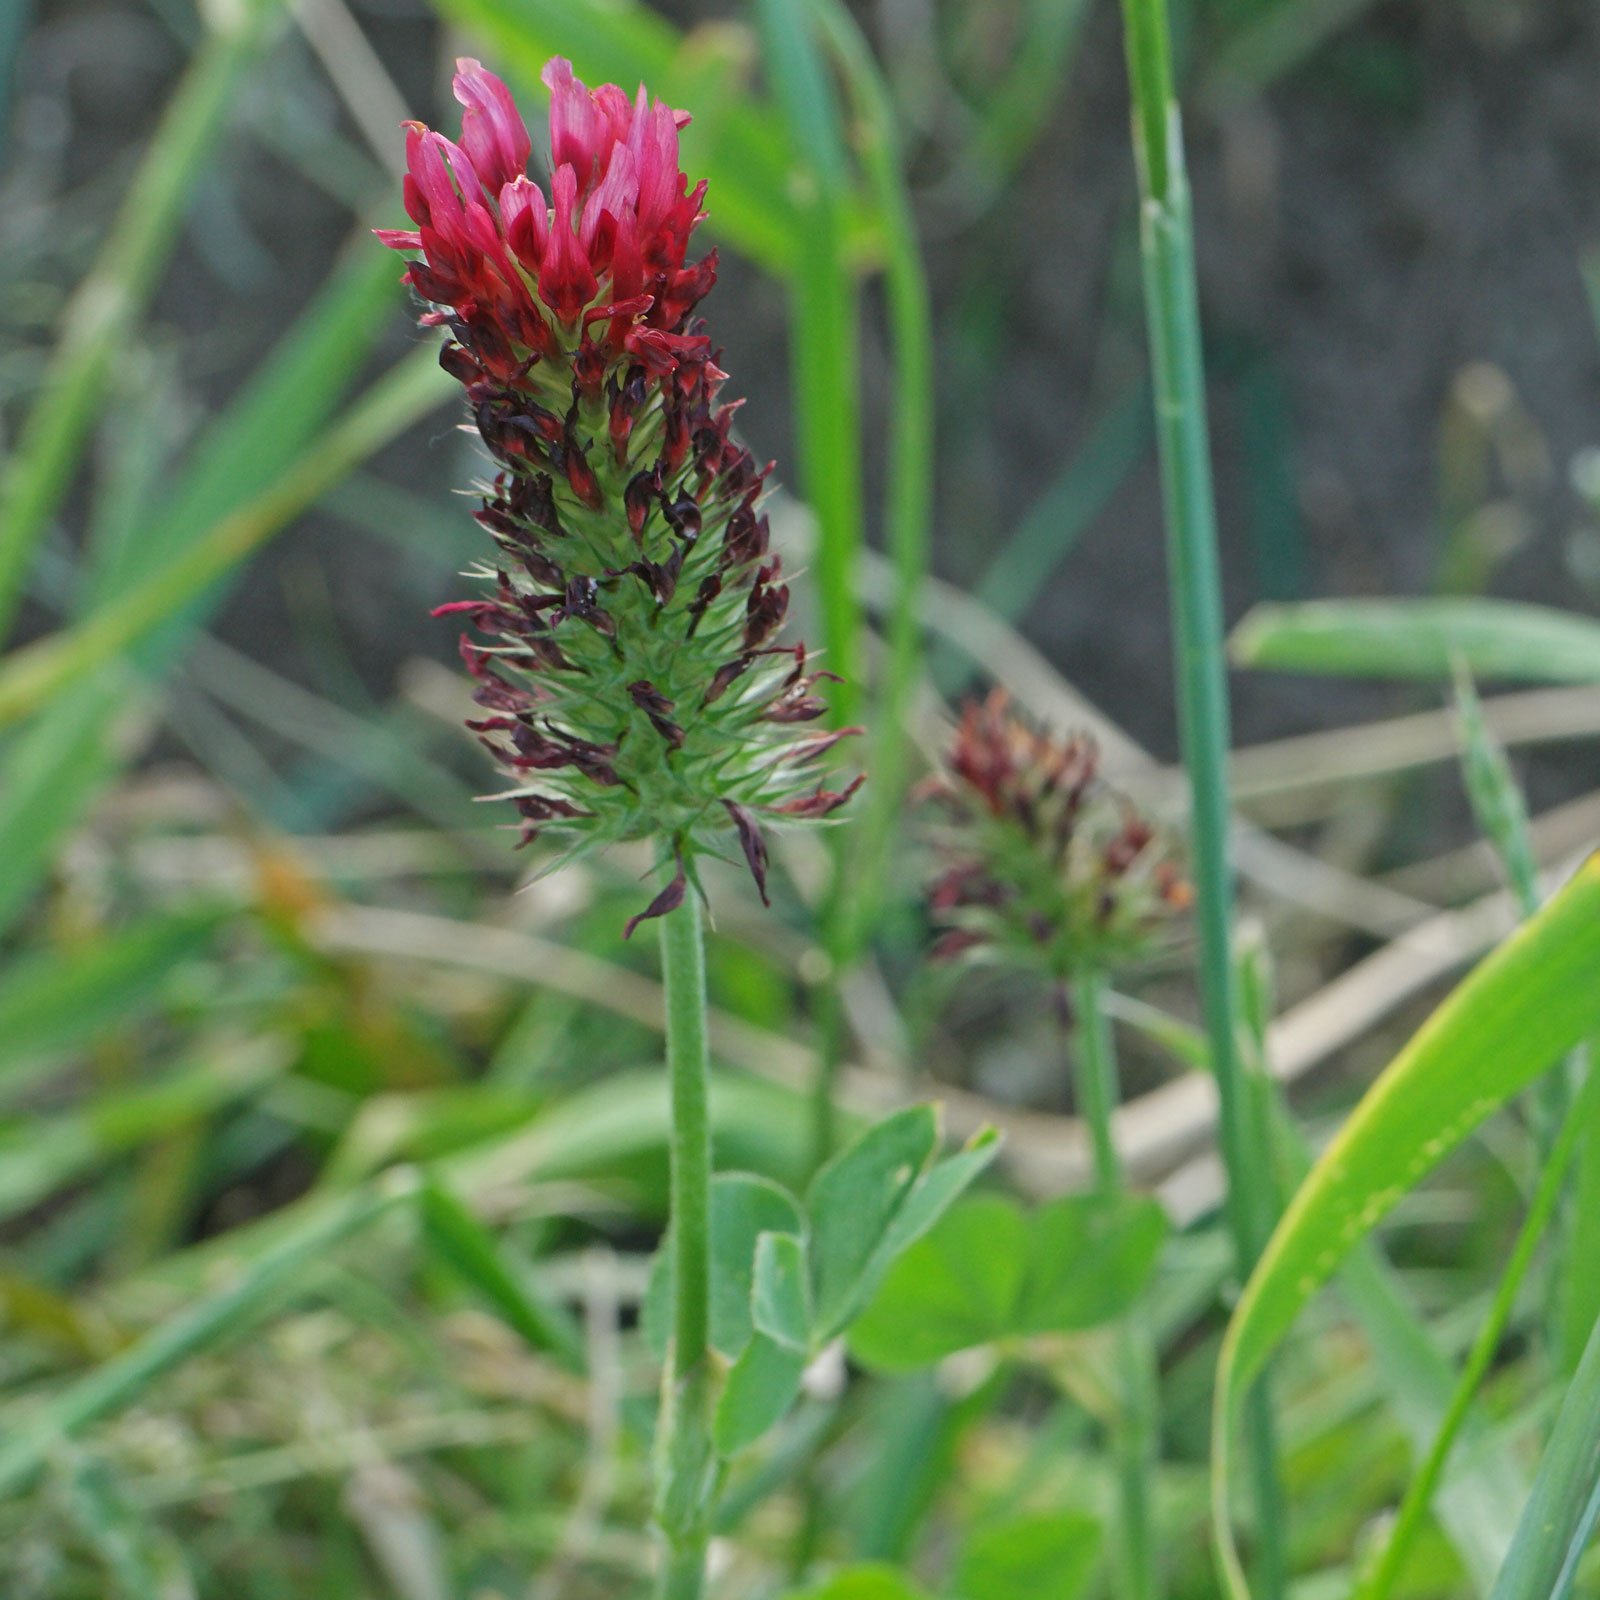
330,1168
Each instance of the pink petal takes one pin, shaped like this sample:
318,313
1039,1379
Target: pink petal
575,124
566,281
492,130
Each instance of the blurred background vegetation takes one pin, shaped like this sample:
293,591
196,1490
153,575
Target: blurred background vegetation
258,944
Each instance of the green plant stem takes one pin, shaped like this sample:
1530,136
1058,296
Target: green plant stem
1173,319
909,469
1502,815
1559,1515
1096,1081
687,1466
684,1577
1135,1441
825,380
830,1027
1541,1211
824,345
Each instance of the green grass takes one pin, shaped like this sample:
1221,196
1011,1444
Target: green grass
332,1168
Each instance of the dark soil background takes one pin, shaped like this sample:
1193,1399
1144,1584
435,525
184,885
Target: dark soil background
1390,233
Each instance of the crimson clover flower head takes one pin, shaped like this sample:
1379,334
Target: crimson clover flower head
626,643
1043,866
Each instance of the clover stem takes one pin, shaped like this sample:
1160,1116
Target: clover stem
1134,1428
687,1470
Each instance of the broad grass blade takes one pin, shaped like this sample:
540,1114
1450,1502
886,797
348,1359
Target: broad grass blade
1516,1014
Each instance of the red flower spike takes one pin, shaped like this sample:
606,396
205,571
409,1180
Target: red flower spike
1042,866
634,611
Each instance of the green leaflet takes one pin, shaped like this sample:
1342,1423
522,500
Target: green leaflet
871,1582
1520,1010
990,1272
1036,1556
786,1280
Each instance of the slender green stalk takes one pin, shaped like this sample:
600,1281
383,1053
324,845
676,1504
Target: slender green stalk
1096,1080
1134,1441
96,321
824,356
1560,1511
1502,814
1425,1480
1173,318
909,494
687,1462
684,1576
824,306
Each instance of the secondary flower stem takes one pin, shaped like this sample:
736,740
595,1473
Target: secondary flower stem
1137,1378
1173,319
687,1461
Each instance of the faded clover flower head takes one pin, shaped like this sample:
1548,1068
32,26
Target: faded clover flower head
627,660
1042,865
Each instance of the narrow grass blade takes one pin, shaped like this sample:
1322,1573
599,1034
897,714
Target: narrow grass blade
1521,1009
213,1316
824,380
824,337
1172,321
56,766
105,306
140,1560
1502,815
1062,514
1497,801
33,675
54,1001
15,21
910,464
45,1154
1560,1513
1478,1488
1018,113
1277,40
1496,639
289,400
1579,1306
468,1248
